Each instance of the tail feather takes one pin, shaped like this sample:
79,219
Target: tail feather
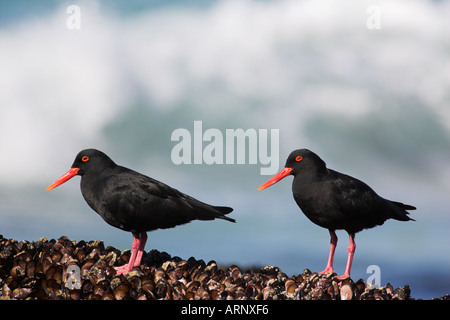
403,215
224,210
404,206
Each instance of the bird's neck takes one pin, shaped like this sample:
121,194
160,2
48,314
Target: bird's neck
305,182
95,178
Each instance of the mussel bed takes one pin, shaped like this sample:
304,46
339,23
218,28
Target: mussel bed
39,270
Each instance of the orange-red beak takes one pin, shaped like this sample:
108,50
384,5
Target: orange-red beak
69,174
280,175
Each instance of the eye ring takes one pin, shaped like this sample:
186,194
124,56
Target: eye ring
299,158
85,159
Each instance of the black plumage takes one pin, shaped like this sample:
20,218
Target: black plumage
334,200
133,202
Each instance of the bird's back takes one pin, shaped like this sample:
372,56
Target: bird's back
338,201
134,202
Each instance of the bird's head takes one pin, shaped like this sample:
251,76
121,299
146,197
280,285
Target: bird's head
88,160
299,162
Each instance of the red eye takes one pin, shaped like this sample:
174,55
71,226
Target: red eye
85,159
299,158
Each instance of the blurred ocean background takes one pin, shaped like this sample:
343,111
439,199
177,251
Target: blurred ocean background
373,103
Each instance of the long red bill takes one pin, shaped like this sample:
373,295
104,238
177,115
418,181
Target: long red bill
69,174
280,175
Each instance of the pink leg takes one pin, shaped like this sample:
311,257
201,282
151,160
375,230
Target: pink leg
351,252
333,243
137,249
143,240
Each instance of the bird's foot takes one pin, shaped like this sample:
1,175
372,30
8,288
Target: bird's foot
327,270
339,278
123,269
343,277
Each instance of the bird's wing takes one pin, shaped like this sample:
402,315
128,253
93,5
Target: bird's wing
358,205
152,204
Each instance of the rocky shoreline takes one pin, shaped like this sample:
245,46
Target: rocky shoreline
63,269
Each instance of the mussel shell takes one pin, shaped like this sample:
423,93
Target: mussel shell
20,293
290,286
163,290
347,290
121,292
54,272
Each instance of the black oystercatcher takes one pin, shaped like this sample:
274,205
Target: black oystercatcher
134,202
334,200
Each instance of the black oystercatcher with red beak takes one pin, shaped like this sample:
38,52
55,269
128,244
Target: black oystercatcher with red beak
134,202
334,201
